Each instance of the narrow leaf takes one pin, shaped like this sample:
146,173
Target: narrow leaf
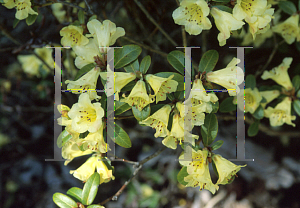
81,16
63,201
31,19
296,82
182,173
225,1
296,105
288,7
259,113
227,105
63,138
145,64
132,67
177,77
84,70
224,8
250,81
253,129
208,61
209,129
76,193
121,107
90,189
217,144
176,59
16,22
126,55
121,137
141,115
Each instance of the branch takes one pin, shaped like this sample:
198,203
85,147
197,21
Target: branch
89,8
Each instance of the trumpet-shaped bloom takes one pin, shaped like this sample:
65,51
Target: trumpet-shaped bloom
86,83
86,116
269,96
71,150
249,9
281,113
161,86
159,121
193,15
289,29
229,77
226,169
225,23
23,8
198,94
197,163
260,38
88,168
138,96
73,35
172,141
197,115
279,74
252,100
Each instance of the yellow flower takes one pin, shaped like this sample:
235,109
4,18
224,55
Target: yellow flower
172,141
71,150
86,116
88,168
281,113
289,29
252,100
249,9
193,14
138,96
73,35
199,96
225,23
260,38
198,162
23,8
280,75
225,168
229,77
86,83
197,112
159,121
161,86
269,96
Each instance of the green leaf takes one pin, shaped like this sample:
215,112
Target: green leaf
84,70
126,55
121,137
296,105
298,94
208,61
129,86
177,77
31,19
63,201
63,138
226,1
81,17
227,105
76,193
215,107
93,17
141,115
253,129
217,144
182,173
288,7
215,168
16,22
259,113
179,95
171,96
121,107
133,66
209,129
1,1
224,8
296,82
250,81
90,189
155,108
176,59
95,206
145,64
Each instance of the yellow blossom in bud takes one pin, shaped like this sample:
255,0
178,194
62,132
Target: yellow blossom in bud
86,116
252,100
269,96
161,86
23,8
249,9
289,29
159,121
225,23
229,77
88,169
85,84
193,15
73,35
281,113
138,96
226,169
279,74
71,150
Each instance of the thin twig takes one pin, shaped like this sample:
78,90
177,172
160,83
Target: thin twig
44,62
155,23
8,35
123,117
89,7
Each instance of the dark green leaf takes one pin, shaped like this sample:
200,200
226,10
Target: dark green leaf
224,8
16,22
298,44
177,77
126,55
121,137
296,105
93,17
179,95
141,115
217,144
298,94
145,64
31,19
129,86
296,82
182,173
84,70
209,129
215,107
288,7
250,81
215,168
208,61
90,189
226,1
299,5
133,66
171,96
156,107
76,193
95,206
63,138
121,107
253,128
263,100
63,201
176,59
103,101
259,113
81,17
227,105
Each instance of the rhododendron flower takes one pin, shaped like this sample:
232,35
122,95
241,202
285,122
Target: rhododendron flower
252,100
225,23
249,9
161,86
86,116
23,8
269,96
73,35
86,83
225,168
193,15
281,113
196,112
159,121
280,75
229,77
71,150
198,94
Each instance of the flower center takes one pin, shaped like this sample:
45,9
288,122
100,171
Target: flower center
194,13
278,115
289,30
247,5
87,115
75,35
197,161
158,125
21,6
249,99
